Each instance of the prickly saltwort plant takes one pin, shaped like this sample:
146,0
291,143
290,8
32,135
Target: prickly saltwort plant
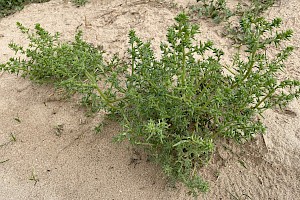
177,106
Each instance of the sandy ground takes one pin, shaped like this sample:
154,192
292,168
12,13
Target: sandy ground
77,163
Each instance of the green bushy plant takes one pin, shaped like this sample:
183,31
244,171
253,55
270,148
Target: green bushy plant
176,106
215,9
8,7
79,3
49,60
219,12
257,7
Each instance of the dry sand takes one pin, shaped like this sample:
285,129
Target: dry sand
80,164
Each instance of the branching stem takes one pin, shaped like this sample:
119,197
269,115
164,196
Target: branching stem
103,96
265,98
250,66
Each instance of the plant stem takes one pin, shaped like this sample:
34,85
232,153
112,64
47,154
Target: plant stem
264,99
132,60
173,97
103,96
226,67
183,67
250,67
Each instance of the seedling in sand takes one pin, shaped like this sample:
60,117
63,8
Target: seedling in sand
13,137
34,178
17,119
99,127
59,129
